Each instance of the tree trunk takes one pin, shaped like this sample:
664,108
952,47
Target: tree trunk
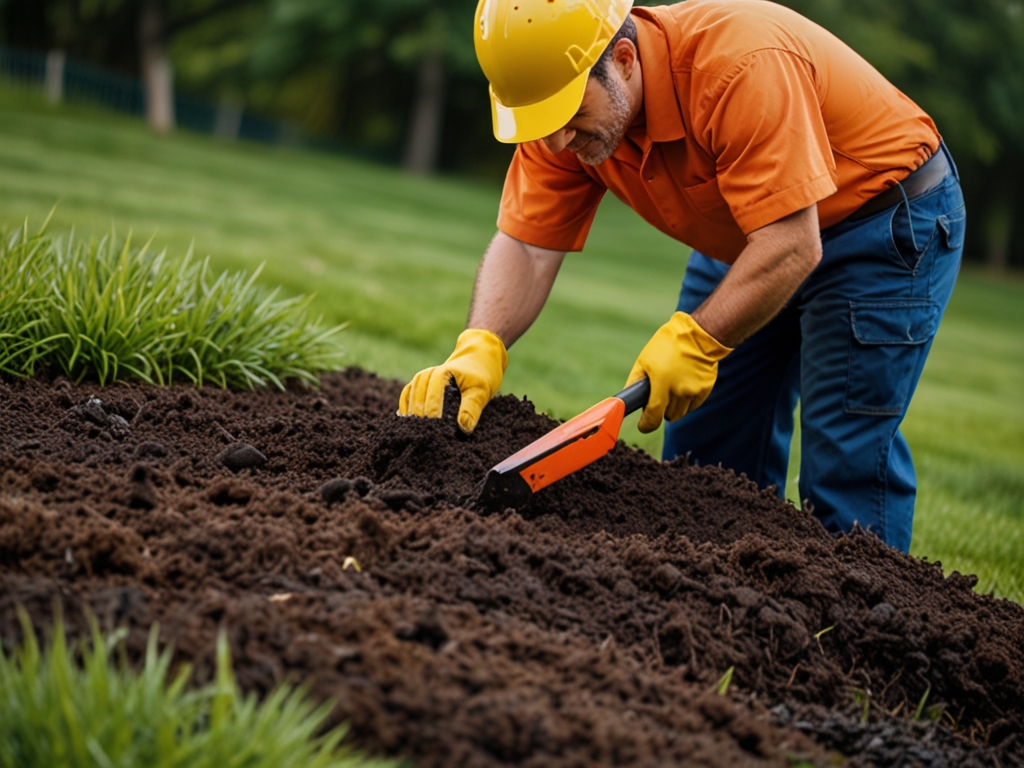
55,61
424,140
157,75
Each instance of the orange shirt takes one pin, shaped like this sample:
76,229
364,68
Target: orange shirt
752,112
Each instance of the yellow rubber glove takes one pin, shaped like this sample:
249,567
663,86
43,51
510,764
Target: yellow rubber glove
477,365
681,360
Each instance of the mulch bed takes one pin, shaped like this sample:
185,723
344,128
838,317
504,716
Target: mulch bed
589,628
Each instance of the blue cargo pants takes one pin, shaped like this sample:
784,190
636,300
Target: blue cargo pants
850,345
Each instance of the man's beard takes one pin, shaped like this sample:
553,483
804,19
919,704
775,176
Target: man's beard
594,148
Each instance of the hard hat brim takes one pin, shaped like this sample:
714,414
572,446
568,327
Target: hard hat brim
529,122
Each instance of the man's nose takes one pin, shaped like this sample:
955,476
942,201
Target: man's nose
560,139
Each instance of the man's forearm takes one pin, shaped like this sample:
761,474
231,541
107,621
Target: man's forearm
777,259
512,285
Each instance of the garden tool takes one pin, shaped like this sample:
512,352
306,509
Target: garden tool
573,445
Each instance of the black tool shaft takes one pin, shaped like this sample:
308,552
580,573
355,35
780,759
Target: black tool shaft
635,396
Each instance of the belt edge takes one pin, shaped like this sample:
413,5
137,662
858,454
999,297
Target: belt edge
888,198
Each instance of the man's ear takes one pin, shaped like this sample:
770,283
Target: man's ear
625,56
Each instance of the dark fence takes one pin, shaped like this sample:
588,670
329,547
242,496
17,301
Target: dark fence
69,80
22,66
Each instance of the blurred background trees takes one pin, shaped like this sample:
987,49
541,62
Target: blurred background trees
397,80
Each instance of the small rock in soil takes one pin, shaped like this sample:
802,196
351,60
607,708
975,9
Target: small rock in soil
362,485
150,451
241,456
666,578
398,498
882,612
92,411
335,490
745,597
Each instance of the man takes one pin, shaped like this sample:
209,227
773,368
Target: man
824,212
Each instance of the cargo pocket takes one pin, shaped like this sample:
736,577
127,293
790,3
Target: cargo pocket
888,344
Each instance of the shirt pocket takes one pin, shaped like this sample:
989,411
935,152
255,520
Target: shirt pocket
705,196
889,342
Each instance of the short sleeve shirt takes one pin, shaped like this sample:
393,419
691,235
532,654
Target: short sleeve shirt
751,112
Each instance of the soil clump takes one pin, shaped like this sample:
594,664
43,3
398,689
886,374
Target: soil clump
329,538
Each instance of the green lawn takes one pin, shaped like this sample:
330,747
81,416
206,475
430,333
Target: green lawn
396,255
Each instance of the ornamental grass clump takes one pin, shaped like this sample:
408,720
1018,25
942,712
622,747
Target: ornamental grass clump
106,310
75,708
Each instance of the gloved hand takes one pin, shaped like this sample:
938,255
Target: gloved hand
681,360
477,365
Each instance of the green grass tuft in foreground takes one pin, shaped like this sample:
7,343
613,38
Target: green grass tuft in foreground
77,709
105,310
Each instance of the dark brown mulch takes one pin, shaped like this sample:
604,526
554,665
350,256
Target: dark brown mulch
589,628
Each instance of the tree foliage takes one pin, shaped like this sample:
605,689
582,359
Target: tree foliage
347,45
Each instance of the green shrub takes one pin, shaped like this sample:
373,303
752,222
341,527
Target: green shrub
105,310
68,709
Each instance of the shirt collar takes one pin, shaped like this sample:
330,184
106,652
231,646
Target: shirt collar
661,106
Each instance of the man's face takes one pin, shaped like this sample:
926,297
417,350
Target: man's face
600,123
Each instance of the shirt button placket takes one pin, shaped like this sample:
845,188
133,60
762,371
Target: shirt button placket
660,190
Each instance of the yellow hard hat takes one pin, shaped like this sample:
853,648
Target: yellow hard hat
537,55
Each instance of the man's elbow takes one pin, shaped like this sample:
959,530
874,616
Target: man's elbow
812,254
805,253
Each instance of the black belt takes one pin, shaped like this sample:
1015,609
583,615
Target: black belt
922,180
